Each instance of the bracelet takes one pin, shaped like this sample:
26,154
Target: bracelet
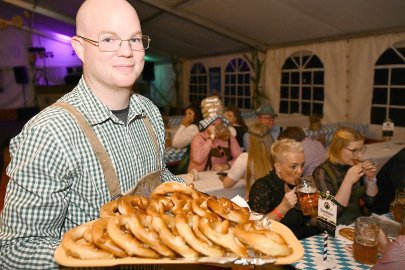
372,181
278,213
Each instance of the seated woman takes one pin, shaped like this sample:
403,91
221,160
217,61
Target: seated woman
314,151
346,176
188,128
232,113
214,148
257,162
274,194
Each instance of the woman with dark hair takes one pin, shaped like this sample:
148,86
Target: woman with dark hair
188,128
234,116
346,176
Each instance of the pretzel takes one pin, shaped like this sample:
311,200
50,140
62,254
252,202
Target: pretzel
76,246
159,205
262,239
109,209
228,209
102,240
173,187
129,205
181,203
148,236
164,225
127,241
184,224
199,206
222,234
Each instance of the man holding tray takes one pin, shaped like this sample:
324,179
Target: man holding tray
65,167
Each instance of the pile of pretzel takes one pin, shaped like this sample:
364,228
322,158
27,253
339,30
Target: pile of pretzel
176,221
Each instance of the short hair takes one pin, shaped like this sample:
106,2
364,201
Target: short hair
284,146
342,137
295,133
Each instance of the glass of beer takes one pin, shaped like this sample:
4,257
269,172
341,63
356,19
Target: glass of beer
307,195
397,207
365,246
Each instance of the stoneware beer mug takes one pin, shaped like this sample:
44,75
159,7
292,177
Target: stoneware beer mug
307,195
365,246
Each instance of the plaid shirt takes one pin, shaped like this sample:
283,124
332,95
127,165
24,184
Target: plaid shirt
56,181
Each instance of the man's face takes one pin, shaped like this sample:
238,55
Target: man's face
119,69
266,119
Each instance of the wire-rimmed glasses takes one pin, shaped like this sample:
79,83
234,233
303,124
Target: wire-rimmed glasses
113,43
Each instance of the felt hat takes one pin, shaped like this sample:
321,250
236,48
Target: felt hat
266,109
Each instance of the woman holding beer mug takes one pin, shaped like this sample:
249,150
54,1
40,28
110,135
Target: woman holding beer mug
346,176
274,194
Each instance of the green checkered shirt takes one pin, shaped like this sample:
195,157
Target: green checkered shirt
56,181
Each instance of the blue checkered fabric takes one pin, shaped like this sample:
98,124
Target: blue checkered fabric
207,121
313,246
173,155
329,129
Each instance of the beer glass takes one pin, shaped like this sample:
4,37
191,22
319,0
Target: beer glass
307,195
365,246
397,207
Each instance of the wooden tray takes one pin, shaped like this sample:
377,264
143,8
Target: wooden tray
64,259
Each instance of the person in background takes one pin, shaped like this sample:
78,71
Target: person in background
254,164
390,177
234,116
214,148
393,253
346,176
56,180
266,115
275,194
188,128
315,152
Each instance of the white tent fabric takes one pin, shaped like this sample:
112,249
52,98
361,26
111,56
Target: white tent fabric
349,71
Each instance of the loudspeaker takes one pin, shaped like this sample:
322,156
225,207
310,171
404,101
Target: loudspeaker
21,75
148,73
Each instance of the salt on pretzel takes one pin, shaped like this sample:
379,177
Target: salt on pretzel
184,225
102,240
140,227
118,228
76,246
131,204
164,225
262,239
173,187
159,205
228,209
222,234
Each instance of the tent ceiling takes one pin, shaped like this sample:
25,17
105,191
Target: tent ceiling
200,28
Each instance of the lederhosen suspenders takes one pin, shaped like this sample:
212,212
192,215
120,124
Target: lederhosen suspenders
145,185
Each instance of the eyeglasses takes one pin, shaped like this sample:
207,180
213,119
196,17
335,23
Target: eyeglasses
113,43
357,150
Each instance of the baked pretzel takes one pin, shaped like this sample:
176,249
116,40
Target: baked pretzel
76,246
173,187
102,240
109,209
262,239
129,205
228,209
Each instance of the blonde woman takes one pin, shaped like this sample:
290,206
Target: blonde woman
257,162
274,194
346,176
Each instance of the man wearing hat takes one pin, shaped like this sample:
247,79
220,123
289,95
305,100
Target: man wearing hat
266,115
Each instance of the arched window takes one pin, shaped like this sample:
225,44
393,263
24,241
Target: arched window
198,83
237,84
389,86
302,89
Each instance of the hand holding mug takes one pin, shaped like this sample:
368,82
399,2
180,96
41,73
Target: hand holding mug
290,199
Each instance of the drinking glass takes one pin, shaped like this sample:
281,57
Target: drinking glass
365,246
397,207
308,195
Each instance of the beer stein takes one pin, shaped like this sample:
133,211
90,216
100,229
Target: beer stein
307,195
397,207
365,246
